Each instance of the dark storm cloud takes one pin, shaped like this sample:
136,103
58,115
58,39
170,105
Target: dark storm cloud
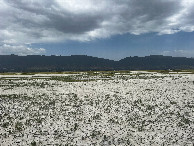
34,21
142,16
56,17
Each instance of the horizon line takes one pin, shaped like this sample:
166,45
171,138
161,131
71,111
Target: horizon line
52,55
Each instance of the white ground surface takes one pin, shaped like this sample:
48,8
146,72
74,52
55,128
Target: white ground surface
141,109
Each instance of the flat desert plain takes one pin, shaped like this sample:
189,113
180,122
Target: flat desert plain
97,108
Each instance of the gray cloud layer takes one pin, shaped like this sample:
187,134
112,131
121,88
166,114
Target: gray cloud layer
35,21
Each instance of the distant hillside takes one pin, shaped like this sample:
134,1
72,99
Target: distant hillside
36,63
156,62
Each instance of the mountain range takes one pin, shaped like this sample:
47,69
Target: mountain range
38,63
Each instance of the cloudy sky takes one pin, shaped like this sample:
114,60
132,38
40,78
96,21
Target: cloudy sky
111,29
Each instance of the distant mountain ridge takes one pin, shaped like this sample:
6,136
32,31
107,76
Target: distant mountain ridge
38,63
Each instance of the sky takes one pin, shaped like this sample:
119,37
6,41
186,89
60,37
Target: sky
112,29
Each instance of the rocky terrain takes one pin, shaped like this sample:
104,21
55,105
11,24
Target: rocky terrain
97,108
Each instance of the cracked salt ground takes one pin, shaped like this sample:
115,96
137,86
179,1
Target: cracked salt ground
124,109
